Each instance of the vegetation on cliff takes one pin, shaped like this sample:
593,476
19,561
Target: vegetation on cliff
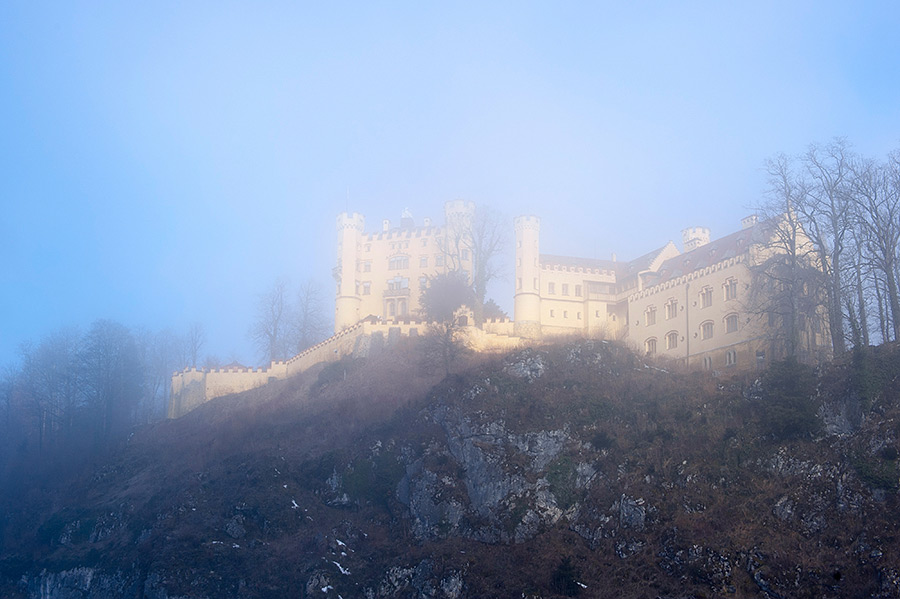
566,470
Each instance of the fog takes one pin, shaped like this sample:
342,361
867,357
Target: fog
163,164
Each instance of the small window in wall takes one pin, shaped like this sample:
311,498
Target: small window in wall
672,340
597,313
730,289
534,284
366,288
650,316
423,261
565,313
731,323
565,289
671,309
551,288
551,314
706,330
367,266
391,308
730,357
401,307
706,296
423,282
650,346
577,290
579,316
439,260
707,363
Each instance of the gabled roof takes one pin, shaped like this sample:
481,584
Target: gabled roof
724,248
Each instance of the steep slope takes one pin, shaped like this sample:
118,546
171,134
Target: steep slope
557,471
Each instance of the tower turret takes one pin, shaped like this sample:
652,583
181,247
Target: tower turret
527,305
350,228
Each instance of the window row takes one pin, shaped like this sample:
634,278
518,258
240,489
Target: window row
565,314
564,287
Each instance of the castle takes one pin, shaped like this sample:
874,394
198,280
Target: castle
691,306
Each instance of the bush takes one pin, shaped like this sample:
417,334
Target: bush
788,409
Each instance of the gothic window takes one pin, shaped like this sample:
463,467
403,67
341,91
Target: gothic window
730,357
707,363
706,330
398,263
565,289
439,260
706,296
551,288
671,309
423,261
650,346
565,313
731,323
366,288
650,316
672,340
577,290
730,289
551,314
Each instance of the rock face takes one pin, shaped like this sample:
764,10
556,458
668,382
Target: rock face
570,470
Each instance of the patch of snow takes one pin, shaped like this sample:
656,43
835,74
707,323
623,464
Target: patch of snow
581,584
341,568
294,505
327,588
235,546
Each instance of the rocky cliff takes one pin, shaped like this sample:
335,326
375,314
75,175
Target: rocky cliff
550,472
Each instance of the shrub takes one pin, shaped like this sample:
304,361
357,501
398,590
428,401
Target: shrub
788,410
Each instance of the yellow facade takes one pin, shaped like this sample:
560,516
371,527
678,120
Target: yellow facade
383,273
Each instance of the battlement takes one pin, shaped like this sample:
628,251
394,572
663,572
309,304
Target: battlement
351,220
694,237
527,221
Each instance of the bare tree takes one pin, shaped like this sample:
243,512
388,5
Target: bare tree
309,323
787,281
194,342
482,237
825,213
271,329
445,340
876,194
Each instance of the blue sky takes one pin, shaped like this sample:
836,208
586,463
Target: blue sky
162,163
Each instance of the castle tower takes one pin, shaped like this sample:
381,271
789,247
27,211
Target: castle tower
694,237
346,306
527,305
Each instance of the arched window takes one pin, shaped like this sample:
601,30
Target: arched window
706,330
650,346
401,307
391,308
706,296
672,340
398,263
731,323
650,316
707,363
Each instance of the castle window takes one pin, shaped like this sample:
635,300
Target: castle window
731,323
423,261
439,260
534,284
650,346
671,309
565,289
398,283
401,307
391,308
577,290
730,357
565,313
551,314
672,340
650,315
707,363
579,316
730,289
706,330
706,296
597,313
423,282
366,288
398,263
367,266
551,288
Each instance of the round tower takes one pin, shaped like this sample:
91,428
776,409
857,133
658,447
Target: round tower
346,306
527,305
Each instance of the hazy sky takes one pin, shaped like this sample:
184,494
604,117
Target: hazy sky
162,163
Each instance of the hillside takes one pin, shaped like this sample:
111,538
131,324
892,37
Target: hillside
559,471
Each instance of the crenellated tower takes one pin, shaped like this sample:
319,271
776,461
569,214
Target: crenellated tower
350,227
527,305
